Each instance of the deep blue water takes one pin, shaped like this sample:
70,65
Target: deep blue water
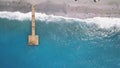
62,45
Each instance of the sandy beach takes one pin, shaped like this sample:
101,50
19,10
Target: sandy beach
67,8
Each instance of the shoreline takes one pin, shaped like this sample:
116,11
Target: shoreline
62,9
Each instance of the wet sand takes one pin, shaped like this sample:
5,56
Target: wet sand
76,9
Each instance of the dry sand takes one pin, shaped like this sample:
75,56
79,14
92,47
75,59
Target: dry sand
68,8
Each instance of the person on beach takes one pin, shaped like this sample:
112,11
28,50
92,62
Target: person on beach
96,0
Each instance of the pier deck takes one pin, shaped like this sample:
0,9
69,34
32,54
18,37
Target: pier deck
33,39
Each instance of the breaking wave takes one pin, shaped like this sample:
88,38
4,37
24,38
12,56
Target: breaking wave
102,22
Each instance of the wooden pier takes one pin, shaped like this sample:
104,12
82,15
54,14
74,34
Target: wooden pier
33,39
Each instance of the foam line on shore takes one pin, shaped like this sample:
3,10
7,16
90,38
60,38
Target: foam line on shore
102,22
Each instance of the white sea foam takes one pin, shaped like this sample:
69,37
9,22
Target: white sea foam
15,15
102,22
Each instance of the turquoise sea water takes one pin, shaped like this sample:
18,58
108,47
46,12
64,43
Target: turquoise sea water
63,44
